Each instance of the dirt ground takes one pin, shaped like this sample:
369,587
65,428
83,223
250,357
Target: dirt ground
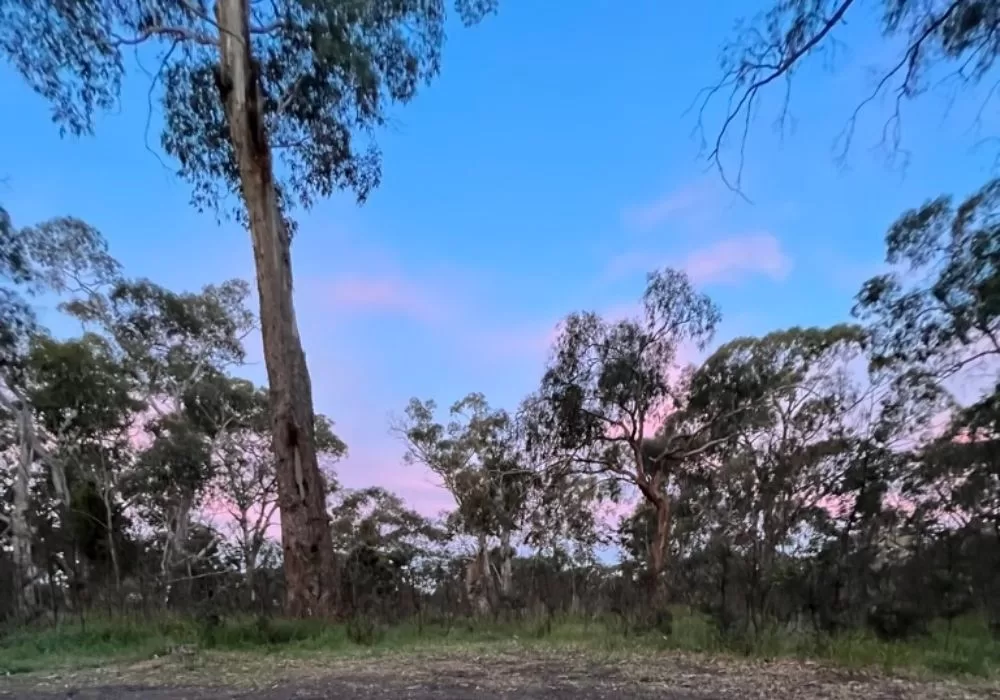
478,676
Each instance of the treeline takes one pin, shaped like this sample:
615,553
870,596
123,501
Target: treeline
824,479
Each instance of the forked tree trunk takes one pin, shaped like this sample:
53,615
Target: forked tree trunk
175,541
305,529
478,579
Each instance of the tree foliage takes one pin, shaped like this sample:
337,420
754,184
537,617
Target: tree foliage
327,73
824,478
938,310
57,256
245,86
477,456
610,387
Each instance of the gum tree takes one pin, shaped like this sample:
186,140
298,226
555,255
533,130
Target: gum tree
59,256
264,104
478,458
611,405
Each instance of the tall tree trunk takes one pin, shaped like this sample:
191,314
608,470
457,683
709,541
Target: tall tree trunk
660,550
477,578
506,566
175,545
250,550
305,527
109,524
251,581
20,530
113,549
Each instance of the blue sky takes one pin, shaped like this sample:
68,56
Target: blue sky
547,169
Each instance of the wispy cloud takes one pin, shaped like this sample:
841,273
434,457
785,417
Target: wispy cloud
728,261
386,294
698,203
733,260
681,202
381,464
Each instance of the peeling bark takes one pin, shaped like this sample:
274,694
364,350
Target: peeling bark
112,545
305,528
660,550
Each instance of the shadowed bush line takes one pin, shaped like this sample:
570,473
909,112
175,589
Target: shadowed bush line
966,649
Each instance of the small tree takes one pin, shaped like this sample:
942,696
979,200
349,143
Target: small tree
234,414
85,403
381,543
611,407
61,256
478,458
793,425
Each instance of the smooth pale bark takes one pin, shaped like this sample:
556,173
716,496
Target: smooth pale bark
20,530
250,563
112,545
661,548
506,565
305,527
478,579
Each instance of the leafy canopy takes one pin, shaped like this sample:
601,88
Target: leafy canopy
610,383
938,312
61,255
327,69
477,456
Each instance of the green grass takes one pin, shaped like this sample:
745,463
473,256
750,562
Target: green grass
967,650
71,645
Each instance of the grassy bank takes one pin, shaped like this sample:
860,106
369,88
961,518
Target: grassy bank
965,649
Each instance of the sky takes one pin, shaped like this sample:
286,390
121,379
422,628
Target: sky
552,164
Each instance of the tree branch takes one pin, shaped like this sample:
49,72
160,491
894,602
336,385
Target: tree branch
177,33
745,74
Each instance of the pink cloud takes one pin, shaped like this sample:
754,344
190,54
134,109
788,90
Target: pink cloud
730,260
681,202
139,435
610,513
382,465
735,259
534,341
386,294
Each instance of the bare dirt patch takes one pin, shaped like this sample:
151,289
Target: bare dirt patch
461,675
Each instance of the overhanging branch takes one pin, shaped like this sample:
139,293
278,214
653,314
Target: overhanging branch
177,33
753,72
